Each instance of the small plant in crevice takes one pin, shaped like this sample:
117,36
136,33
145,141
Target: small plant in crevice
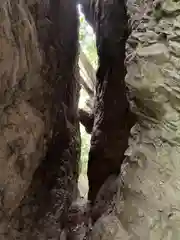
85,143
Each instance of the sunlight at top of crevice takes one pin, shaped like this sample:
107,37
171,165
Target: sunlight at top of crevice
88,28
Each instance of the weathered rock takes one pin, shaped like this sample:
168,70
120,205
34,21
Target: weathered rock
152,178
39,137
150,209
175,48
108,227
78,223
106,198
159,51
24,132
170,6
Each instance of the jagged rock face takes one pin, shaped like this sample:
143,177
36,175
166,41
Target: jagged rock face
23,127
150,209
108,227
152,180
39,128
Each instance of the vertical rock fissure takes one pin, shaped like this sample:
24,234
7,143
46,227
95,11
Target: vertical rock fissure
41,208
112,120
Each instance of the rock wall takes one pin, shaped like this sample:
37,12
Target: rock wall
146,205
22,124
152,180
39,139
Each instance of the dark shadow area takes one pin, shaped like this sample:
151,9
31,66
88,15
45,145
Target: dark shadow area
111,117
